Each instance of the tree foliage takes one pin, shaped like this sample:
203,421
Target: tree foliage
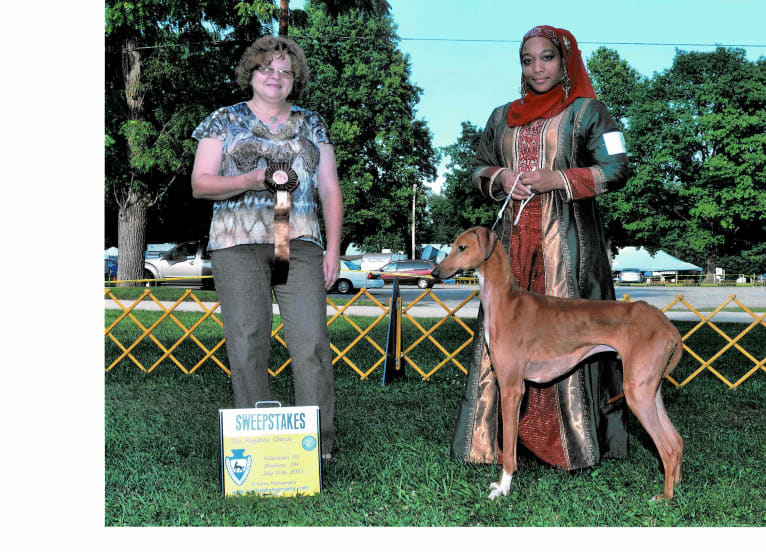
335,8
167,65
696,133
619,87
269,12
460,206
360,85
615,82
182,68
696,140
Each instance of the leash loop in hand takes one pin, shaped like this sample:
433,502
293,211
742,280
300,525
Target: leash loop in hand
507,199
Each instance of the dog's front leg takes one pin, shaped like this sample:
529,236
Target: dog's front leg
510,402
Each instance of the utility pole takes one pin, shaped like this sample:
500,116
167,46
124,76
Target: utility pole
414,194
284,10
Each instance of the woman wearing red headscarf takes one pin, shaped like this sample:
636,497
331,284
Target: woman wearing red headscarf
554,150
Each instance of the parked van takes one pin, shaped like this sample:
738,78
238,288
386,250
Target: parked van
375,261
630,276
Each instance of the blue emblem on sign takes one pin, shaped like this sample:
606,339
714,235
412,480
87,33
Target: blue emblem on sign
238,465
309,443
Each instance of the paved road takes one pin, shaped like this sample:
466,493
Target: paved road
704,299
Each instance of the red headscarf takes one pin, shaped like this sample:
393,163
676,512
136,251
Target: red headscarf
536,106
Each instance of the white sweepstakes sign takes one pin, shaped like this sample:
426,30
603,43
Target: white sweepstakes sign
270,451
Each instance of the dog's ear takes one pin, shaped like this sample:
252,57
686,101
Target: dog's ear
476,233
482,236
491,237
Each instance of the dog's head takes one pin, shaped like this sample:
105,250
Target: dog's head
471,248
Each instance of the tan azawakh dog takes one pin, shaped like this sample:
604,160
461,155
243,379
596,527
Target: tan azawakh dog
539,338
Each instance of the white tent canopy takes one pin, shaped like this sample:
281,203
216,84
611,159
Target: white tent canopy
639,258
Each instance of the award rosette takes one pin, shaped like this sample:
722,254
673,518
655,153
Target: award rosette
282,180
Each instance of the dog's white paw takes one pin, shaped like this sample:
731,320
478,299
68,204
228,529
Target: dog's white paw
501,488
495,493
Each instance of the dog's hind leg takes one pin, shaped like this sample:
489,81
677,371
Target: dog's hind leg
670,429
510,402
676,350
642,400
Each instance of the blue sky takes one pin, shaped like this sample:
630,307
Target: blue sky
464,79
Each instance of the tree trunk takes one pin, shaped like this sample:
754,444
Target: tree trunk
131,237
131,223
710,266
414,197
284,11
609,254
131,76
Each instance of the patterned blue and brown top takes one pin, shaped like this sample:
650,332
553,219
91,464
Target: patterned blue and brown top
248,145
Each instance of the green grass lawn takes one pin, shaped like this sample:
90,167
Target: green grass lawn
393,466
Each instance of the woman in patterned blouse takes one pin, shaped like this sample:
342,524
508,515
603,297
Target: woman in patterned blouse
236,145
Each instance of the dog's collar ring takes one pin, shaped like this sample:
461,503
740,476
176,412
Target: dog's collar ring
282,180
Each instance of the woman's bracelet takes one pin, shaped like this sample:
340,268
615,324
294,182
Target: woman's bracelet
492,182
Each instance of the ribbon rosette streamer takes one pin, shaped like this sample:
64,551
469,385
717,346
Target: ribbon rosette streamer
281,179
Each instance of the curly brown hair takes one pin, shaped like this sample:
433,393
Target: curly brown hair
262,52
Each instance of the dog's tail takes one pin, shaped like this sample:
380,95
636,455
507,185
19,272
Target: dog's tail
674,357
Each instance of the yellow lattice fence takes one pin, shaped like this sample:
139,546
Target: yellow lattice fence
425,345
129,314
735,342
145,320
427,334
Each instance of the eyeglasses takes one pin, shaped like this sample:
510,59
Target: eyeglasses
268,71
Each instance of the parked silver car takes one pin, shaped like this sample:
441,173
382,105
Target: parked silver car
189,260
353,277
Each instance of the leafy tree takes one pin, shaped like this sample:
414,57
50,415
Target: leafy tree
618,86
267,12
615,82
168,64
335,8
360,85
696,140
460,206
698,136
159,84
279,10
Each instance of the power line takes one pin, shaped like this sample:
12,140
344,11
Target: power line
591,42
458,40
